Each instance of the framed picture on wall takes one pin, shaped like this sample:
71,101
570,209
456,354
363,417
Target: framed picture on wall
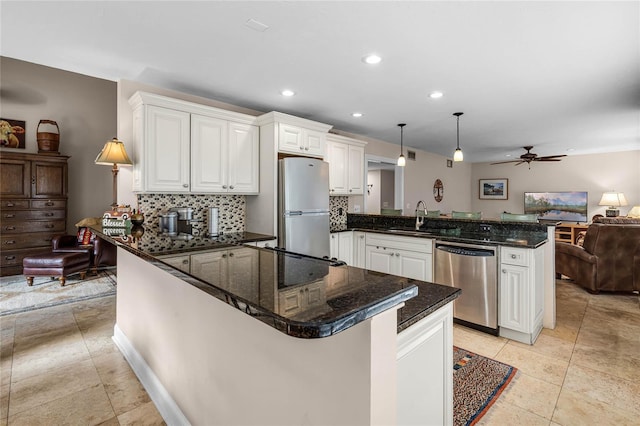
494,189
12,133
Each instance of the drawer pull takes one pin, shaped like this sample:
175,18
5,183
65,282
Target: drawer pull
48,214
10,205
230,254
9,258
9,216
513,256
9,228
48,226
49,203
185,261
504,271
10,242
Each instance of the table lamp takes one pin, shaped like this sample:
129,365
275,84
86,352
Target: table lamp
613,200
634,212
112,154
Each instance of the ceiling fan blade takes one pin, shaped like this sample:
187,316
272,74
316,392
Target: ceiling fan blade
510,161
521,162
547,159
553,156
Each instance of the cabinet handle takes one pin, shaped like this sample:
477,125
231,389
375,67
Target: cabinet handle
306,148
397,254
49,214
504,271
33,181
224,256
185,261
230,186
9,228
48,226
49,203
185,185
362,237
301,148
10,205
9,258
10,242
8,216
391,254
513,256
224,186
333,236
230,254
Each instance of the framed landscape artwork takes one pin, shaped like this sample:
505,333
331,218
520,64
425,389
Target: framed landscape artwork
494,189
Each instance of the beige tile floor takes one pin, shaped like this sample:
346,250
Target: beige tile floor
60,366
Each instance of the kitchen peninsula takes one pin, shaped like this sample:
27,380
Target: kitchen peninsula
250,335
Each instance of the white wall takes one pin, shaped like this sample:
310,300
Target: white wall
595,173
387,182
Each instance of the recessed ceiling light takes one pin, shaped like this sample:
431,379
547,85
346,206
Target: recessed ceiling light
357,114
372,59
507,155
287,92
436,95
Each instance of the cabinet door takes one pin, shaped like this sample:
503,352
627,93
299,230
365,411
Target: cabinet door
379,259
345,247
243,273
290,138
166,150
414,265
356,170
210,266
337,155
178,262
243,158
16,178
208,154
514,298
359,255
334,246
314,143
48,179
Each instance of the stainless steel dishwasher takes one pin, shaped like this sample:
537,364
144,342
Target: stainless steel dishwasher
474,270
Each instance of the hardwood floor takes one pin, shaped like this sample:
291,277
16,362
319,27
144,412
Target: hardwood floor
60,366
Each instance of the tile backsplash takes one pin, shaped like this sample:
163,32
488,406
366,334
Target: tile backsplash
232,209
338,213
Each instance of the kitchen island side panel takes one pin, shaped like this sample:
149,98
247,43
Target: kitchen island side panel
221,366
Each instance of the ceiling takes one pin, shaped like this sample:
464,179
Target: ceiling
561,76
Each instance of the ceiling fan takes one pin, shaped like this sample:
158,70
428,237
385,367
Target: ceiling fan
530,156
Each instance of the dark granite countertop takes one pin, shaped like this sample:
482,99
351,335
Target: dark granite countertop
300,296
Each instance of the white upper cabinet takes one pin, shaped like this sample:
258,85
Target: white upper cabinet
295,135
346,165
180,146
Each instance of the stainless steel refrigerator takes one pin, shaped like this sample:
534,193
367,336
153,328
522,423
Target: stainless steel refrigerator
303,198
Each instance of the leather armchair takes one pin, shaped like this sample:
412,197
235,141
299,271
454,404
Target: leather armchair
101,252
609,259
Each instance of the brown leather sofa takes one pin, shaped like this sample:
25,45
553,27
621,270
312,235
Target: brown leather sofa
609,259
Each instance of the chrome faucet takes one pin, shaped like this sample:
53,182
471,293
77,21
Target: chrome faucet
419,218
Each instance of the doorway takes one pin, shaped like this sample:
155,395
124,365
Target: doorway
384,186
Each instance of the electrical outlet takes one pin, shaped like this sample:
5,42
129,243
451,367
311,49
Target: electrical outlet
356,208
485,228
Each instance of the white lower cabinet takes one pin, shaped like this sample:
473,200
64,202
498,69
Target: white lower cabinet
268,243
341,246
359,254
425,370
521,302
181,262
403,256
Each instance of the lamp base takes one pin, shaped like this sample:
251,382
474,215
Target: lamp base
611,212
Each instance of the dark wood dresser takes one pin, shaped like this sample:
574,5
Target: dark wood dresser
33,190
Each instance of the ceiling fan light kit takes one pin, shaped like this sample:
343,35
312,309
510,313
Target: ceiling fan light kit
401,160
529,156
457,154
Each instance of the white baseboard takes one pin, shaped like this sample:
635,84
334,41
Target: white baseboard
165,404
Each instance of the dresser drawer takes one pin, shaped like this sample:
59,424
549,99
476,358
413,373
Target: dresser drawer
514,256
14,257
22,240
57,226
48,204
14,204
32,215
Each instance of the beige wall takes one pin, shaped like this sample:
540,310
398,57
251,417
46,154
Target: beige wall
594,173
85,110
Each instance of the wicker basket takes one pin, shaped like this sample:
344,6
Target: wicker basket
48,142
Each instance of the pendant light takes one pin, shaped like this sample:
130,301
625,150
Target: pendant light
401,159
457,155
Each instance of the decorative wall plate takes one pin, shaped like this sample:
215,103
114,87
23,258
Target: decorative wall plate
438,190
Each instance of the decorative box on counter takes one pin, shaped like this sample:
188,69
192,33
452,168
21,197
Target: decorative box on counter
119,217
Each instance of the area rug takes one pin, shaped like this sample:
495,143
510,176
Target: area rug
16,296
477,383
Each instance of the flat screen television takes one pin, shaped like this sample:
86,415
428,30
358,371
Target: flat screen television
557,206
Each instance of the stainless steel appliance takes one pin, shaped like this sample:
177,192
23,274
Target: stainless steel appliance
185,220
303,199
474,270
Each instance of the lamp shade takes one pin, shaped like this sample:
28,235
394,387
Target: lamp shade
634,212
613,199
112,153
